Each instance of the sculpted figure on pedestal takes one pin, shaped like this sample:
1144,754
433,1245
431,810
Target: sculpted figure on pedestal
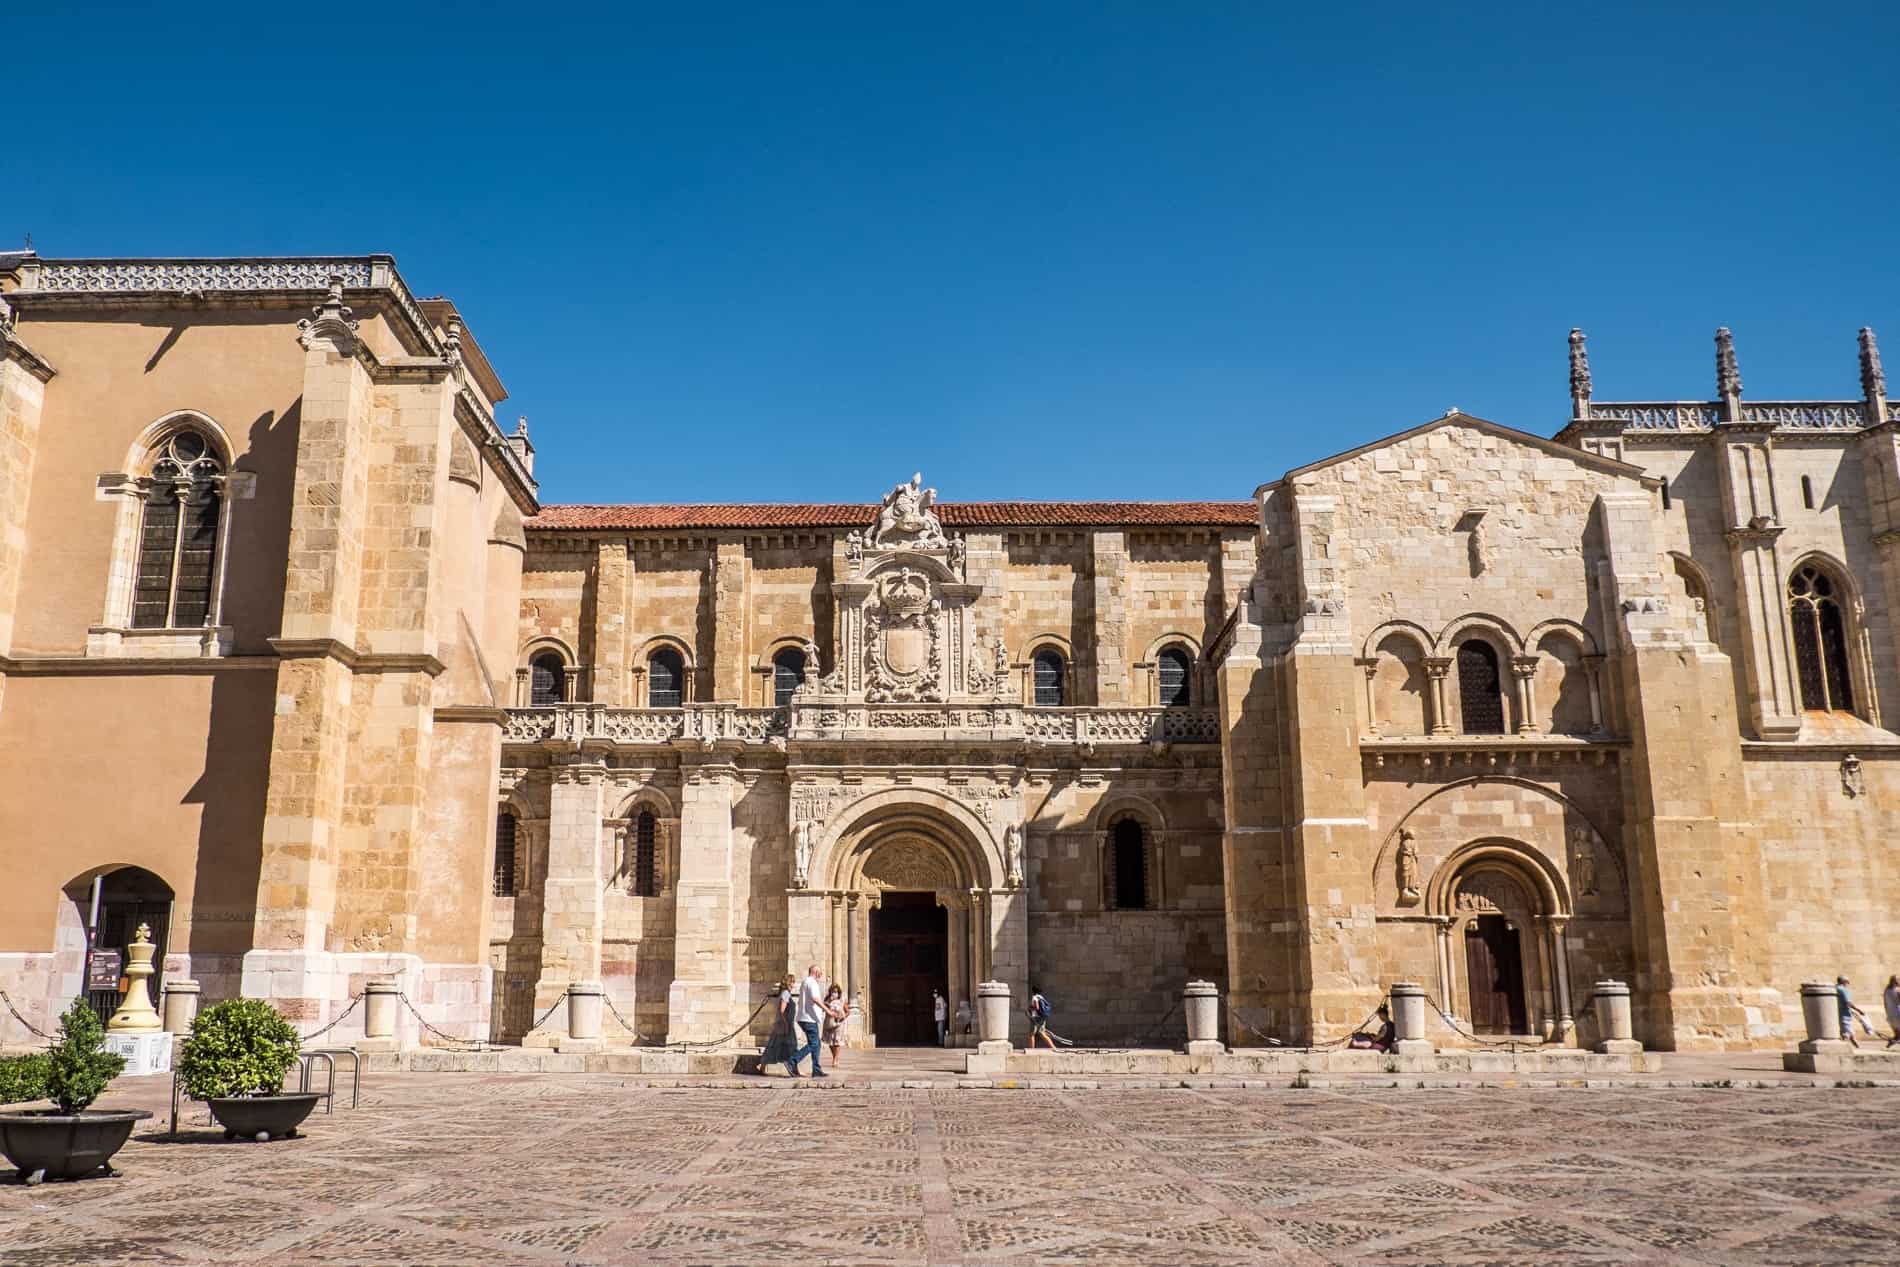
906,517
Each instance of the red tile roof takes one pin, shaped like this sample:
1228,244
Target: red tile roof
852,515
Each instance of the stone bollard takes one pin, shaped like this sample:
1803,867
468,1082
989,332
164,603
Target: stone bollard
181,1005
1821,1009
379,1009
1200,1003
1616,1035
584,1012
992,1017
1408,1020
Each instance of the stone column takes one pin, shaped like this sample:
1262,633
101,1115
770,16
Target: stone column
1408,1020
700,1000
730,624
1615,1030
1200,1004
993,1016
1560,973
583,1016
572,915
1524,670
1437,668
379,1009
1371,666
1009,943
1593,668
181,1004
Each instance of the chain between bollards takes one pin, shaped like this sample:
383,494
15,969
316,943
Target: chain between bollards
30,1026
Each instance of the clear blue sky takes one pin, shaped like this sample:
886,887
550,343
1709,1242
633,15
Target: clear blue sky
793,252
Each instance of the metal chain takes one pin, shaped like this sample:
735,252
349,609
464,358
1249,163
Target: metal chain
1462,1032
333,1024
1233,1015
720,1042
463,1044
544,1016
608,1000
31,1027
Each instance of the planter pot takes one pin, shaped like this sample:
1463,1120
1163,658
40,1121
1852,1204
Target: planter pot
48,1144
262,1117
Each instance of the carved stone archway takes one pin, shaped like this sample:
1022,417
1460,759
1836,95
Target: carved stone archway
1488,881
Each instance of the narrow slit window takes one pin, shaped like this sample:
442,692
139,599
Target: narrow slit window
1807,492
645,860
505,878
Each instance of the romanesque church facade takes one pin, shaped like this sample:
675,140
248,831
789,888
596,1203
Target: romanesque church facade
295,666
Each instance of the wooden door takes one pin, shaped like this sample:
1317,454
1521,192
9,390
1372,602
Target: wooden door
909,959
1495,967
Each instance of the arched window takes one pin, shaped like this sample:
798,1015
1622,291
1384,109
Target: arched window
1480,690
1175,668
643,867
178,540
504,855
788,673
1051,673
546,684
666,678
1820,641
1126,881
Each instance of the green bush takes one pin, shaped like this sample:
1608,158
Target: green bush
79,1066
23,1077
238,1047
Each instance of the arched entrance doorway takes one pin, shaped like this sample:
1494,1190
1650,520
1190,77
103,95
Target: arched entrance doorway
910,958
1501,918
128,897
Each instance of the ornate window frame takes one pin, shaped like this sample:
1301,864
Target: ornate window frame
1197,692
1108,816
536,649
625,828
1048,644
765,667
689,675
1846,599
130,487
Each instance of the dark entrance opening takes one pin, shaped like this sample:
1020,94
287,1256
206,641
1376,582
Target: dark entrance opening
1496,966
910,955
128,897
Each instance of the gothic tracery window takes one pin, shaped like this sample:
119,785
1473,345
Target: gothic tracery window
1480,689
788,673
1051,674
504,855
178,539
1820,641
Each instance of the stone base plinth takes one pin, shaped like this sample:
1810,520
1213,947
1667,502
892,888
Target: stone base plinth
146,1053
564,1043
1619,1047
1250,1062
1837,1056
1207,1047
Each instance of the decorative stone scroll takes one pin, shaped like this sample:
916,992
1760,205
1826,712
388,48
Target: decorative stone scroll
906,865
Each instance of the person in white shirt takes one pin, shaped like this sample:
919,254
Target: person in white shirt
942,1012
811,1015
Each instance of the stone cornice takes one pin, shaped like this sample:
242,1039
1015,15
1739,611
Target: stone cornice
123,666
354,660
12,349
473,713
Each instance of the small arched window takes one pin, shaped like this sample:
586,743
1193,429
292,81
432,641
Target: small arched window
546,683
178,540
1820,641
1051,673
1127,878
666,678
1480,690
643,867
788,674
504,854
1175,669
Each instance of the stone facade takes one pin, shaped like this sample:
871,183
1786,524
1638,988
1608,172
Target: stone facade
1497,714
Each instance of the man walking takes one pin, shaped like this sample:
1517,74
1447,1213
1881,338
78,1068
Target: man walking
941,1011
811,1015
1849,1012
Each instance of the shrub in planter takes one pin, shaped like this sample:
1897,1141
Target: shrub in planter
236,1059
23,1078
68,1141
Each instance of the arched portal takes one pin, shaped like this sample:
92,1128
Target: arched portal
128,897
912,902
1501,918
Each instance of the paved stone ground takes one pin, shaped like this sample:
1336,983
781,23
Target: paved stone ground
575,1169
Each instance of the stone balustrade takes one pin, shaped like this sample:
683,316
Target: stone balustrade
979,721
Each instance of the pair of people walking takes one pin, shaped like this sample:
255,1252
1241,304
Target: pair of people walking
806,1010
1850,1012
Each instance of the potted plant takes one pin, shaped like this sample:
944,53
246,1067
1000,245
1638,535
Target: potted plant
235,1061
70,1139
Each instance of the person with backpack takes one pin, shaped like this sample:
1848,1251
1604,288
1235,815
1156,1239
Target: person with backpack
1039,1012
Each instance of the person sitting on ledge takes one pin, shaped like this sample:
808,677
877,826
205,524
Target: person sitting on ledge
1381,1041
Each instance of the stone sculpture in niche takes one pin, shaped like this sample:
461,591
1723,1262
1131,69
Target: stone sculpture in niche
1408,868
802,836
1851,780
1013,849
1583,863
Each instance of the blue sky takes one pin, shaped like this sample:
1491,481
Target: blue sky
1038,250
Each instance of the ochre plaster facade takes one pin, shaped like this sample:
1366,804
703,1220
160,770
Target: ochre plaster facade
1494,713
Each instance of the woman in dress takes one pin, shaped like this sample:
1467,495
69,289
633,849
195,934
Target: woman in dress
836,1013
778,1045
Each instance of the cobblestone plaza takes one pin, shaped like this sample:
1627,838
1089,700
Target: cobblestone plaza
501,1169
